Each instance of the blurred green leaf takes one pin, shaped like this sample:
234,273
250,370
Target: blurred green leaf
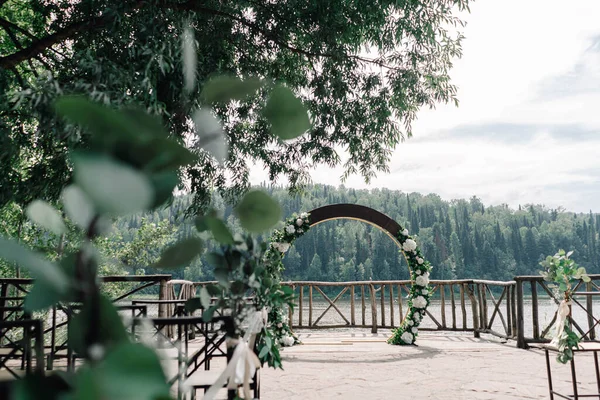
132,371
189,59
219,230
78,206
211,136
222,275
216,260
223,89
193,304
286,114
164,184
207,315
46,216
114,187
258,212
35,263
106,125
42,296
107,322
205,297
180,254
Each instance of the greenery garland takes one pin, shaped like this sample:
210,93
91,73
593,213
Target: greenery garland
419,295
280,242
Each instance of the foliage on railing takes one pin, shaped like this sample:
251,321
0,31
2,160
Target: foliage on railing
564,273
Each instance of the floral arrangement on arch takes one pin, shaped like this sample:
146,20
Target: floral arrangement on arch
419,294
281,241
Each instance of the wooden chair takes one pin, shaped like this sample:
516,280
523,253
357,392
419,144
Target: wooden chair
28,347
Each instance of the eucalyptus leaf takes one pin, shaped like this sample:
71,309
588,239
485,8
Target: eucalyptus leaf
286,114
180,254
263,352
113,187
193,304
211,136
217,227
205,297
42,296
258,212
46,216
222,275
132,371
35,263
109,330
78,206
190,60
223,89
106,125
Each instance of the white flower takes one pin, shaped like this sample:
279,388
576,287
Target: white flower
418,272
420,260
304,215
407,338
409,322
417,317
281,247
300,231
422,280
419,302
405,232
290,229
425,291
279,325
288,341
299,222
414,330
409,245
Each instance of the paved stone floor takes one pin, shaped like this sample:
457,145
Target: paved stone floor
360,365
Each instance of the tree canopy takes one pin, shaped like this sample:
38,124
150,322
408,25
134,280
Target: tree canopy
364,68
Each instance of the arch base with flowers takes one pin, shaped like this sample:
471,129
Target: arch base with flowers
418,298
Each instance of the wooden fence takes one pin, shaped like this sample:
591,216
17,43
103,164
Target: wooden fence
462,305
582,317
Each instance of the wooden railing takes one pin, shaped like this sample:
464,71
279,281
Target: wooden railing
457,305
582,317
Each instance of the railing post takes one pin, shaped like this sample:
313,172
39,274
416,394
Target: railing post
382,288
589,306
300,301
352,310
310,305
373,309
162,295
520,322
470,292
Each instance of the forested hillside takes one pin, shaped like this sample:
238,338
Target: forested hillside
461,238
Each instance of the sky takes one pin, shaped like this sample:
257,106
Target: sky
527,129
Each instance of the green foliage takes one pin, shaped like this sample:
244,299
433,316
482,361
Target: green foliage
563,271
120,53
180,254
286,114
258,211
564,274
223,89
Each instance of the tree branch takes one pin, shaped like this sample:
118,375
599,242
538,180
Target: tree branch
43,44
9,25
192,5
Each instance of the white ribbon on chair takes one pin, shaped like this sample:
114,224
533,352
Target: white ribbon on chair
243,363
563,314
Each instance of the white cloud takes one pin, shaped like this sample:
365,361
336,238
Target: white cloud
533,67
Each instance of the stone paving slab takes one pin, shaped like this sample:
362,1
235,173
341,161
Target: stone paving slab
359,365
